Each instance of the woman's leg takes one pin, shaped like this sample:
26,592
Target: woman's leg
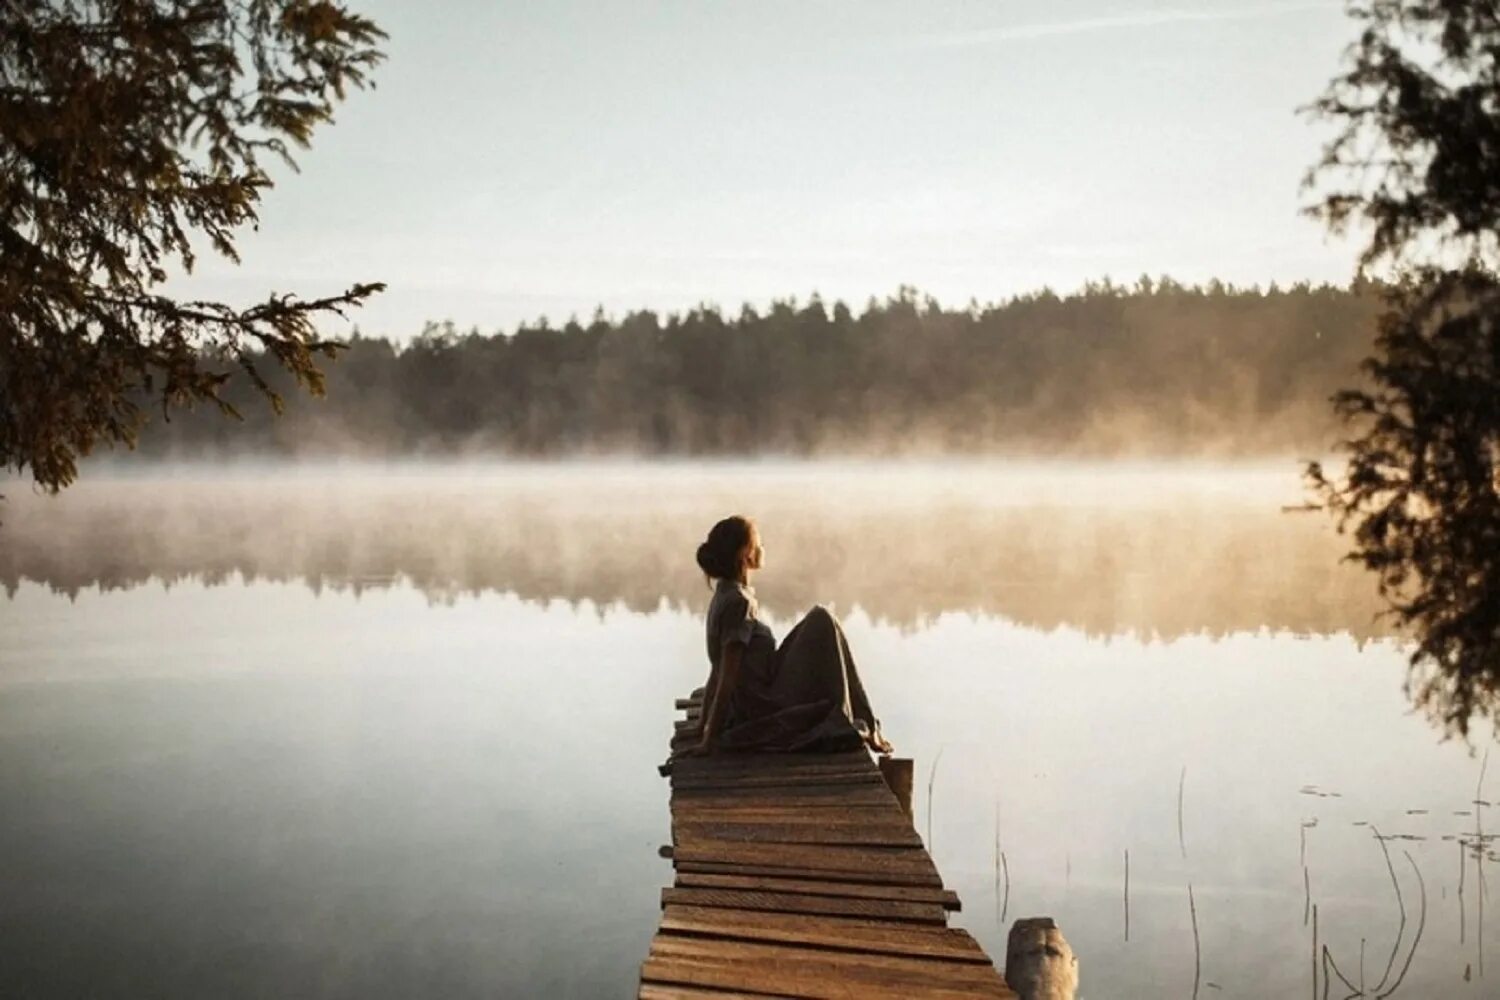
810,663
859,702
815,663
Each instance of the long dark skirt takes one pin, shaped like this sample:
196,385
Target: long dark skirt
812,700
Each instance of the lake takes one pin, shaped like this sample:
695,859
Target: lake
391,730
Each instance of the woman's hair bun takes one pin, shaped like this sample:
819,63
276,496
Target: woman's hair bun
719,555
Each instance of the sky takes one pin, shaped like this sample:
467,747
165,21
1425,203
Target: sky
519,160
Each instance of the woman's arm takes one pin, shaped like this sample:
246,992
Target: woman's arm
706,699
720,689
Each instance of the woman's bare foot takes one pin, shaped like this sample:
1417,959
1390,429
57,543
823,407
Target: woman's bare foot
873,738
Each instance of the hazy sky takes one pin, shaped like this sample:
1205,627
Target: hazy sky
519,159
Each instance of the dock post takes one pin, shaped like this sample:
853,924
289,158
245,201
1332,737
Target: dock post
1039,964
897,772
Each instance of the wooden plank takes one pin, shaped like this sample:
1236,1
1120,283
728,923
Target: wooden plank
798,875
813,972
832,874
840,933
811,982
771,808
882,814
828,906
771,761
685,832
668,991
946,898
873,791
943,970
792,797
778,779
683,773
804,810
812,856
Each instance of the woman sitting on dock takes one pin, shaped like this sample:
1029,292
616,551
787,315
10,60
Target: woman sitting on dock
804,695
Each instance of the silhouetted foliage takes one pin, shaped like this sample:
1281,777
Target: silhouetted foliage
1418,156
127,128
1159,368
1419,492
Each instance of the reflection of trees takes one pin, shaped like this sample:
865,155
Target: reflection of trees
1415,161
904,553
1420,493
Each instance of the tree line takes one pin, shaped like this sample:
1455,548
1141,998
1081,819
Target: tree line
1156,367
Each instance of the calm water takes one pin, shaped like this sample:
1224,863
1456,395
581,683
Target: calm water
392,732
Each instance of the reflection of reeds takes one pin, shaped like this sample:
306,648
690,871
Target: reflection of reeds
1315,951
1479,856
1380,989
1197,947
1002,873
999,912
1181,783
1400,907
1323,957
1306,895
1005,869
1421,926
1330,964
1463,868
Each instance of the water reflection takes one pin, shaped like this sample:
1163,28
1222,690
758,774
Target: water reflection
408,745
1150,551
303,796
385,796
1064,753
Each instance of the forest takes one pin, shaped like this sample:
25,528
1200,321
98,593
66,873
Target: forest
1152,368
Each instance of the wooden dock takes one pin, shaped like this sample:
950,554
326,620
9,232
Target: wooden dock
800,875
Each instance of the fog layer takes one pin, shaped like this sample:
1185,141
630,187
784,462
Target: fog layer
1149,549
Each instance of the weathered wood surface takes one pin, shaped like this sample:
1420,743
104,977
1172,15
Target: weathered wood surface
800,875
946,898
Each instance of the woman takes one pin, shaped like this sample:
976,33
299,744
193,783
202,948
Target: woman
804,695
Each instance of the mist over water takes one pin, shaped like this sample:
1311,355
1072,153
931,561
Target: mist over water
1150,549
389,730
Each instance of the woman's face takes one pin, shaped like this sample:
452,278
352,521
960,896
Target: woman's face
755,555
